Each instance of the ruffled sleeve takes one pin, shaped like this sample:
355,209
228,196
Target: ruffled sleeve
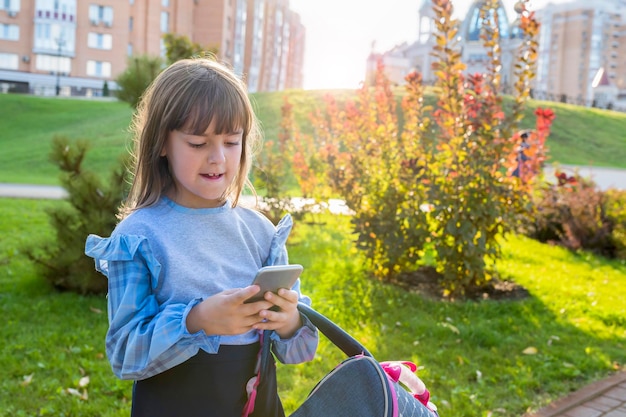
122,248
144,338
302,345
278,251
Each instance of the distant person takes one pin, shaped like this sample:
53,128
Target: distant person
521,156
180,262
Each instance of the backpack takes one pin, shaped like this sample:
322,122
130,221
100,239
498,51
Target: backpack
358,386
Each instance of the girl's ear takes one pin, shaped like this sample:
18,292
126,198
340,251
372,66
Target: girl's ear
163,153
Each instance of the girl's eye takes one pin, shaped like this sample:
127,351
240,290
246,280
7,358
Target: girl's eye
232,143
196,145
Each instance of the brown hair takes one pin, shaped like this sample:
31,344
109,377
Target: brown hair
189,93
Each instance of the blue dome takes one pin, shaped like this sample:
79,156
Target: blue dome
472,23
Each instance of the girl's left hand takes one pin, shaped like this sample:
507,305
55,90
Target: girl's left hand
285,320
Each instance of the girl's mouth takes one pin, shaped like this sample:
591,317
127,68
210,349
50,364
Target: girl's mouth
212,176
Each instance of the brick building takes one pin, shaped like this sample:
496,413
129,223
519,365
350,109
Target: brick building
581,57
71,47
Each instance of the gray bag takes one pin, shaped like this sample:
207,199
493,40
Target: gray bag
360,385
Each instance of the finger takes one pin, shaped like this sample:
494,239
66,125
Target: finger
289,295
267,325
283,299
242,294
254,309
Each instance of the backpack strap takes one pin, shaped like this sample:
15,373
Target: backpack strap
339,337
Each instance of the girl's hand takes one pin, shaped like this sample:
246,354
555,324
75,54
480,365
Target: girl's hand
286,319
226,313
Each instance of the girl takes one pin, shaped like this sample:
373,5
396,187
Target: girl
180,263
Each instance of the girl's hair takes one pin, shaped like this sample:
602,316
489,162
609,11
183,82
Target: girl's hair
188,94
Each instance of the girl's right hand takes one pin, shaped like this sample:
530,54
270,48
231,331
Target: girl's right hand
226,313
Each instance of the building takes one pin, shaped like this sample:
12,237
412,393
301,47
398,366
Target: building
582,51
582,47
72,47
402,59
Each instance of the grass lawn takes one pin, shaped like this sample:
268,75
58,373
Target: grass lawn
27,125
478,358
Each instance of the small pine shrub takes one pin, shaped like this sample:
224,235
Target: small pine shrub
92,208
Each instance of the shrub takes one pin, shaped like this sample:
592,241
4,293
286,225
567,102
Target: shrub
272,169
616,211
92,208
140,72
575,214
439,181
179,47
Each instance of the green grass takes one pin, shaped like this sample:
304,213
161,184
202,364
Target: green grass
471,353
27,125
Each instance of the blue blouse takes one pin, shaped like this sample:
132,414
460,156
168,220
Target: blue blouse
163,260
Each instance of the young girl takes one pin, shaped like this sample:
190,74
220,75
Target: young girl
181,261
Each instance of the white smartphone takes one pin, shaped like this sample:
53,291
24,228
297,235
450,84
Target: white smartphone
272,278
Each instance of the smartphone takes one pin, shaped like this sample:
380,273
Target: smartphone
272,278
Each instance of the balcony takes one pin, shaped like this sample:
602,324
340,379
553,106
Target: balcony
55,15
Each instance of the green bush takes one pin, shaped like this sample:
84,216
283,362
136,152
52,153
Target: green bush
140,72
179,47
434,178
92,207
616,210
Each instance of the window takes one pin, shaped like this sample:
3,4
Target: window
165,3
9,32
9,61
129,49
130,24
53,63
10,5
100,40
99,69
165,17
99,14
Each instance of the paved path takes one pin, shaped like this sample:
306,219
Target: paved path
32,191
604,178
604,398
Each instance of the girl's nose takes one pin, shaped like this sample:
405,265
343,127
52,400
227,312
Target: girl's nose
216,154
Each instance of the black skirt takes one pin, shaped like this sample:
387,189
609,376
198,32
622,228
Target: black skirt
206,385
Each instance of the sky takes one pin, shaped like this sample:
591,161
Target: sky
340,34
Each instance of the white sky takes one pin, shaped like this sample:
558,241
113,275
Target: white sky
339,34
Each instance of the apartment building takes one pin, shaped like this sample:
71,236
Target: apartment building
582,41
72,47
581,60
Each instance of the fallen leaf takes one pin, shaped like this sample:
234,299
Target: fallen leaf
27,380
84,381
74,392
451,327
531,350
82,395
95,310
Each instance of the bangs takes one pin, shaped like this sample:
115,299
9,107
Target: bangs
211,99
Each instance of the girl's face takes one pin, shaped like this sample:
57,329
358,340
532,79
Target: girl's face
203,166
